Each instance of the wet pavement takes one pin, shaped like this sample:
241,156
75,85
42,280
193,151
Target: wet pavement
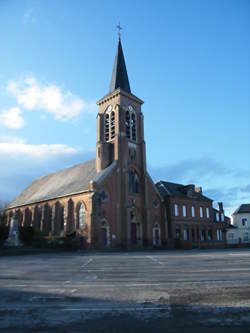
158,291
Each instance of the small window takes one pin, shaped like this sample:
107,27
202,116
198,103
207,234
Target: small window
217,217
209,234
245,236
193,211
155,203
176,210
104,196
202,234
219,235
207,212
184,210
133,182
222,217
201,212
185,234
177,233
244,222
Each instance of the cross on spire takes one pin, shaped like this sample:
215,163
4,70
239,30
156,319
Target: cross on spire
119,29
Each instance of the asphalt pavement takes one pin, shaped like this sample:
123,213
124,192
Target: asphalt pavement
146,291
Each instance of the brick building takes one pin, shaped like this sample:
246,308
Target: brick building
192,220
112,201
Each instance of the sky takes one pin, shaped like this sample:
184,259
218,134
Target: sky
188,60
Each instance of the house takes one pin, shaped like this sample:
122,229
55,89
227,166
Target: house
191,216
239,231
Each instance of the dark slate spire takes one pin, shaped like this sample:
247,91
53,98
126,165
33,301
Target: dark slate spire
119,75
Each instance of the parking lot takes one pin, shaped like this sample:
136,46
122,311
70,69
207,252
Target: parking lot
158,291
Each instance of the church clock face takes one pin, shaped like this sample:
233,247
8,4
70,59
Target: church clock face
130,108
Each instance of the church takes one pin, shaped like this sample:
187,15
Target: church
111,201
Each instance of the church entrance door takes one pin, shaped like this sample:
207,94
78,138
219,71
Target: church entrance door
133,234
104,236
157,237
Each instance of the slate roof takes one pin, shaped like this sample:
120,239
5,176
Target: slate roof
119,76
179,190
64,182
244,208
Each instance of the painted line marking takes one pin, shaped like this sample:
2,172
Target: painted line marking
155,260
132,308
88,262
66,282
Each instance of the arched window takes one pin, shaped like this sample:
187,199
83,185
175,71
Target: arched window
130,123
62,218
107,127
112,125
49,217
133,182
81,216
133,125
127,123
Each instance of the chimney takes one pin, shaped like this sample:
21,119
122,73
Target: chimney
221,209
198,189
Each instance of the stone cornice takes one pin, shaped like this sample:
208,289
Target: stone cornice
118,92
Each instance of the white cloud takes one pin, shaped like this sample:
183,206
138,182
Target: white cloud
33,95
17,147
12,118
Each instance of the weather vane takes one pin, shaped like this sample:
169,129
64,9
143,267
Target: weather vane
119,29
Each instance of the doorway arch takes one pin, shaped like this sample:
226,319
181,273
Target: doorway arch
156,235
105,234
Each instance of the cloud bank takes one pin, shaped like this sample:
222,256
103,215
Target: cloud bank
31,94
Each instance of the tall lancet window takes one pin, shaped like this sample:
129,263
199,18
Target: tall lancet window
81,216
112,125
133,126
107,126
130,123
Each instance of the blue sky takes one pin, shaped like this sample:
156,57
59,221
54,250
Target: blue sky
187,59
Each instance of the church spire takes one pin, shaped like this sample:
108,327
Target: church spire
119,76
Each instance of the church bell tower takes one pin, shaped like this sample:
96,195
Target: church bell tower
120,132
120,140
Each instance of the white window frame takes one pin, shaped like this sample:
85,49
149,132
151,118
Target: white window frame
217,217
176,210
184,210
193,211
207,213
244,219
185,234
219,235
222,217
201,212
245,237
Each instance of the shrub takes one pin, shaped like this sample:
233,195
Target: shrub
4,232
26,234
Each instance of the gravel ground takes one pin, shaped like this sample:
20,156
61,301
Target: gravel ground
159,291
